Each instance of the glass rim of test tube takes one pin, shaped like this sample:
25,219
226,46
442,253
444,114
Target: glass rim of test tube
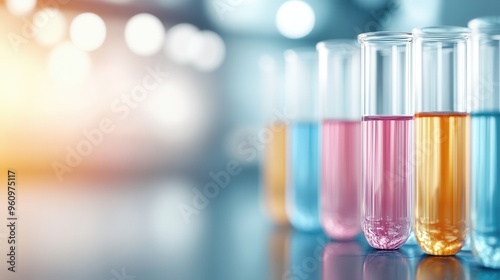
442,33
389,37
485,24
347,45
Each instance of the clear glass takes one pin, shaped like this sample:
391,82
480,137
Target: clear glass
339,79
274,160
485,140
302,193
339,83
442,131
387,138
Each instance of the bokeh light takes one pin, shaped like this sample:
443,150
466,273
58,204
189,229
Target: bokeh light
207,50
177,38
68,65
295,19
88,31
20,7
144,34
50,26
172,107
180,112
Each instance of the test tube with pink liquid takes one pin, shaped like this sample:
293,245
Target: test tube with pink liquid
387,138
339,81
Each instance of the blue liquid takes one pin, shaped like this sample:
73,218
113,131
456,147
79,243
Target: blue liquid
485,199
303,180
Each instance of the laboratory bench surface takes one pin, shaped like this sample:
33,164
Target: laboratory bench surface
135,231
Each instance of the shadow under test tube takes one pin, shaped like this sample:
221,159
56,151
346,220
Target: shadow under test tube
341,137
387,139
302,195
441,120
485,140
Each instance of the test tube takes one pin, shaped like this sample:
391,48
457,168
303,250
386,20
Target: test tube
485,140
441,149
274,159
387,138
339,80
301,90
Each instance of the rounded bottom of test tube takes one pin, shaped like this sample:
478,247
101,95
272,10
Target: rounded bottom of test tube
340,230
486,248
386,235
440,241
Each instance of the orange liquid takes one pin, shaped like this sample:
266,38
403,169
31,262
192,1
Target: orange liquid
274,175
442,181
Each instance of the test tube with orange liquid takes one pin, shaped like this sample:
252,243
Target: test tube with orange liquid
442,133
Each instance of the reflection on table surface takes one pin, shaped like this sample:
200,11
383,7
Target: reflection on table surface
136,230
313,256
295,255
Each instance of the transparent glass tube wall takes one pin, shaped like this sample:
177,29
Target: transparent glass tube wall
339,81
442,131
485,140
301,90
387,138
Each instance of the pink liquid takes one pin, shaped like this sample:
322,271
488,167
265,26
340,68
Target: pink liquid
387,180
341,179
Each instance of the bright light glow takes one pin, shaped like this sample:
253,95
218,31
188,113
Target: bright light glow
144,34
295,19
177,38
173,107
50,26
88,31
207,50
20,7
68,65
179,112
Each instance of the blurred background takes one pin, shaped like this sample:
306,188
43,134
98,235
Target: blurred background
113,113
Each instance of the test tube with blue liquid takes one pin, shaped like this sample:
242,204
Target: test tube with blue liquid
485,140
301,94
